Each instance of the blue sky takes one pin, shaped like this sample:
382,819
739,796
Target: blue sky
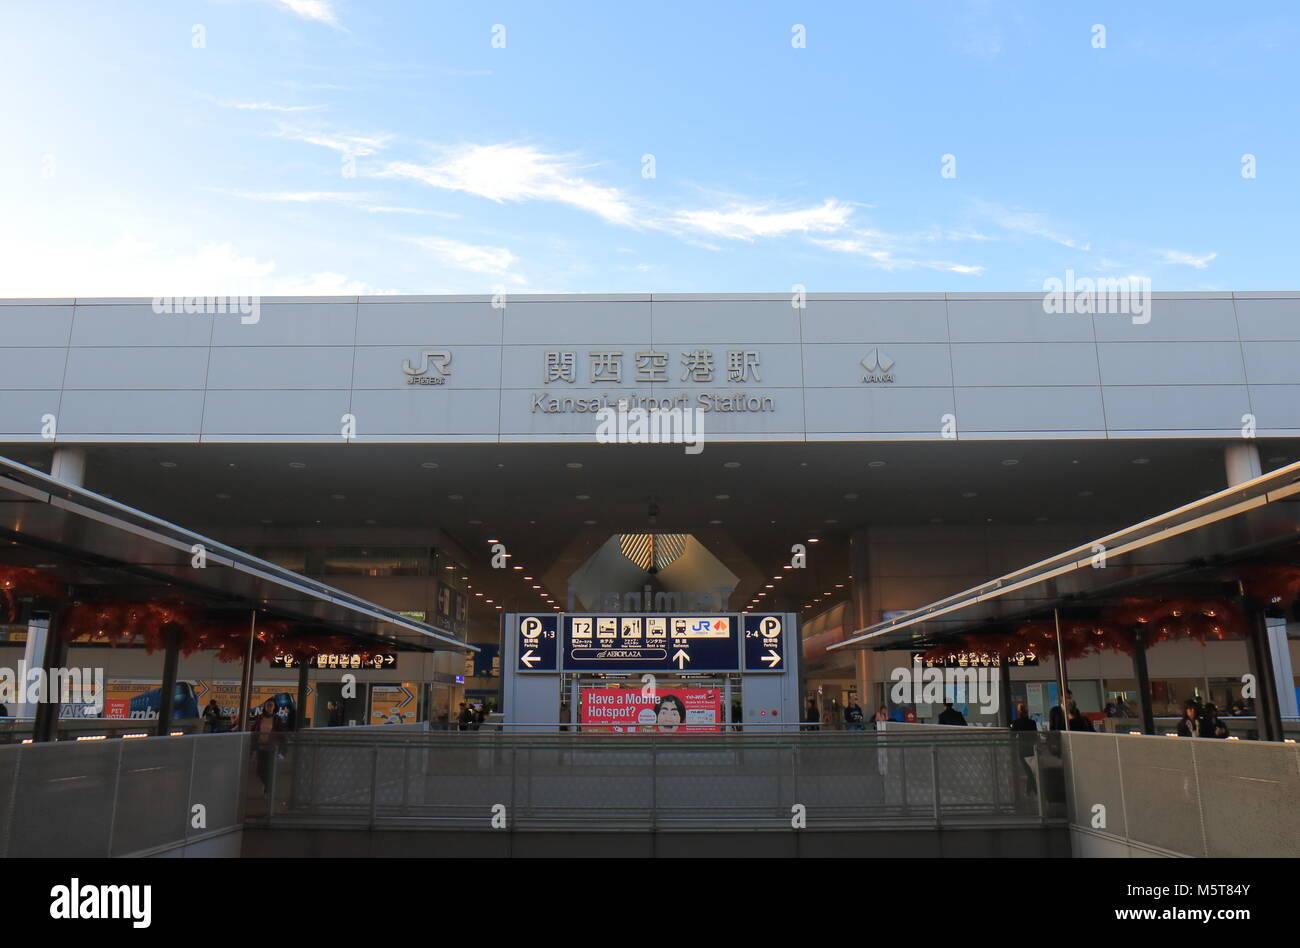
341,146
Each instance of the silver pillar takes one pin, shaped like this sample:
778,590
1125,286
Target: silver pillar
1241,462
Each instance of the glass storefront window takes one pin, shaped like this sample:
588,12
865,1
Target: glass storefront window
375,561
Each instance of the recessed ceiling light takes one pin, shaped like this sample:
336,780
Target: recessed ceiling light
223,497
528,579
1010,462
500,466
475,523
831,521
337,497
969,494
590,523
787,567
875,464
574,465
519,567
167,463
494,541
715,523
582,497
297,465
1141,460
455,496
814,540
850,496
1085,493
722,497
429,465
731,464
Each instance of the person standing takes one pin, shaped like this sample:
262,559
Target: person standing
268,735
212,717
950,715
853,716
335,716
811,716
881,716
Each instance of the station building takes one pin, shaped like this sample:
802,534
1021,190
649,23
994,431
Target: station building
860,455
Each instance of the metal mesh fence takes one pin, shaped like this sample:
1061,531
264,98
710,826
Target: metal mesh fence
1186,796
557,781
117,798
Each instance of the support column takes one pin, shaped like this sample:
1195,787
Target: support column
864,613
1283,676
167,693
246,679
1267,712
300,714
1062,676
1143,680
69,466
1006,713
1241,462
45,727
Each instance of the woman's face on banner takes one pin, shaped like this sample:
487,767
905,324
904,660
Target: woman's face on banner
669,716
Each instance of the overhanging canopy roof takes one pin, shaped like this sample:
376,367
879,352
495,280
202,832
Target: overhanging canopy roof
87,540
1257,521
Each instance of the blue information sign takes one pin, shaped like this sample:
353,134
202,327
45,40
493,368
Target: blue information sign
537,643
651,643
764,644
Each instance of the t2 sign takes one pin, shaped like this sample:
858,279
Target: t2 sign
537,643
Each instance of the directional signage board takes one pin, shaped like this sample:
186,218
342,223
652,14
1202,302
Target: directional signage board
650,643
537,643
764,644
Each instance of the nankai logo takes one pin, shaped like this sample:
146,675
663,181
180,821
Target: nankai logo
877,363
438,359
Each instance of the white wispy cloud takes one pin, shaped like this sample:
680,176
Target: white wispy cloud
322,11
130,266
1030,223
474,258
355,146
892,252
1188,259
361,201
748,222
264,106
515,173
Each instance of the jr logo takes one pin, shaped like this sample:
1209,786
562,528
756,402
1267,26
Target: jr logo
438,358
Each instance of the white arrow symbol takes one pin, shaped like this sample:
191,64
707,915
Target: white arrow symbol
681,658
772,658
528,658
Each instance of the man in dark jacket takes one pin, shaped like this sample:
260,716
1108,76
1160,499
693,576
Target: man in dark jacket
950,715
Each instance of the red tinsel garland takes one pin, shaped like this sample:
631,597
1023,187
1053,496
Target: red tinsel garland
18,581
